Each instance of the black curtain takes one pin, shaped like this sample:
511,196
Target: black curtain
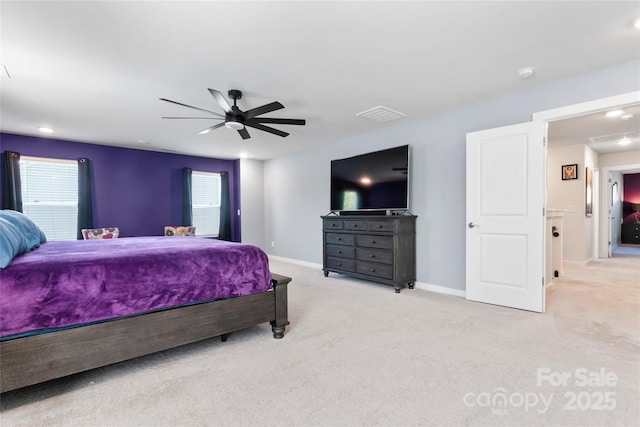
85,199
187,200
225,215
12,188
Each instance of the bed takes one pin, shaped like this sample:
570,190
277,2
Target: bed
67,307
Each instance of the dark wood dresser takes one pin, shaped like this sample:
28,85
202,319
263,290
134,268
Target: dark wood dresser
377,248
630,233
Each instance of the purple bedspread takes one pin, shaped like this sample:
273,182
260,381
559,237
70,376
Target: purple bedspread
67,283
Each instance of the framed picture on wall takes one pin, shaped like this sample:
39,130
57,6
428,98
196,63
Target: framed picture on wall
589,192
569,172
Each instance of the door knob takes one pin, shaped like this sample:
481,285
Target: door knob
471,225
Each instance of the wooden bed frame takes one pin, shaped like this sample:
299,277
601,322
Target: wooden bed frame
38,358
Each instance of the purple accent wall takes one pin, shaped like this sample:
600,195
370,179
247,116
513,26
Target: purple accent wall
138,191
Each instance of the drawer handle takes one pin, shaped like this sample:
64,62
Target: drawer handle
333,225
339,264
355,225
339,239
373,242
339,252
373,256
373,270
380,226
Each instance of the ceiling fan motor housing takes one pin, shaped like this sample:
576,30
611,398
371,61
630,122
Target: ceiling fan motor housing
235,94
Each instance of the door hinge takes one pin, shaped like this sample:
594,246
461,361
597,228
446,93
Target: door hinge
543,212
544,141
543,282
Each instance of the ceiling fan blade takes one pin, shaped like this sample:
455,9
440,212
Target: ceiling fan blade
265,128
206,118
278,121
220,99
191,106
209,129
244,133
267,108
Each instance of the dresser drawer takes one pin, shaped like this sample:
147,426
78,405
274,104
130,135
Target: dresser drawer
355,225
341,251
375,255
341,264
373,225
383,242
377,270
330,224
340,239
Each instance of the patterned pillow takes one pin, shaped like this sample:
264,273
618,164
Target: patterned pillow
171,230
100,233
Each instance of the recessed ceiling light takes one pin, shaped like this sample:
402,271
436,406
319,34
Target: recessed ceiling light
45,129
526,73
636,23
626,116
614,113
625,141
243,155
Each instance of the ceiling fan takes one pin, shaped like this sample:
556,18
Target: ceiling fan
236,119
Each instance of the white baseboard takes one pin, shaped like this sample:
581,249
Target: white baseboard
577,263
441,289
419,285
295,261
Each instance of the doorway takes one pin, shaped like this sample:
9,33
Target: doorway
583,134
497,287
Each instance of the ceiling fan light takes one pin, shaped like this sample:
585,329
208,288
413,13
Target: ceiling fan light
234,125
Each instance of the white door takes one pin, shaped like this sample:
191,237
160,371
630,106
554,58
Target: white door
505,218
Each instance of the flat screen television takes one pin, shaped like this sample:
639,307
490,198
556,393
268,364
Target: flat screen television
373,181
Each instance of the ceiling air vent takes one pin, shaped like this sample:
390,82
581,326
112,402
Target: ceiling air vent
381,114
614,137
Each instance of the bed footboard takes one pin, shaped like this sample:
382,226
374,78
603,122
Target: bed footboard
280,288
34,359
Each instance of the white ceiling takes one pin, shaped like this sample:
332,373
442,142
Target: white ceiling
94,71
601,133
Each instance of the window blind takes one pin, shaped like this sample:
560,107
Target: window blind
205,203
50,195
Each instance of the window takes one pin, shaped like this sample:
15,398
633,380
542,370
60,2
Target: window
205,203
350,200
50,195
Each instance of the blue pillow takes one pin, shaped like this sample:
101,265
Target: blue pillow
29,229
12,242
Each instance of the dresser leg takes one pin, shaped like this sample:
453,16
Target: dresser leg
412,285
326,273
397,290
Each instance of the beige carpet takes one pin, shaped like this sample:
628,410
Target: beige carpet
357,354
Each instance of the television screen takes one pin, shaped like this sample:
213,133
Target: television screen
377,180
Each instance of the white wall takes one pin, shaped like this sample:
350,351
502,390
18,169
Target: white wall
619,159
252,201
570,196
299,184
